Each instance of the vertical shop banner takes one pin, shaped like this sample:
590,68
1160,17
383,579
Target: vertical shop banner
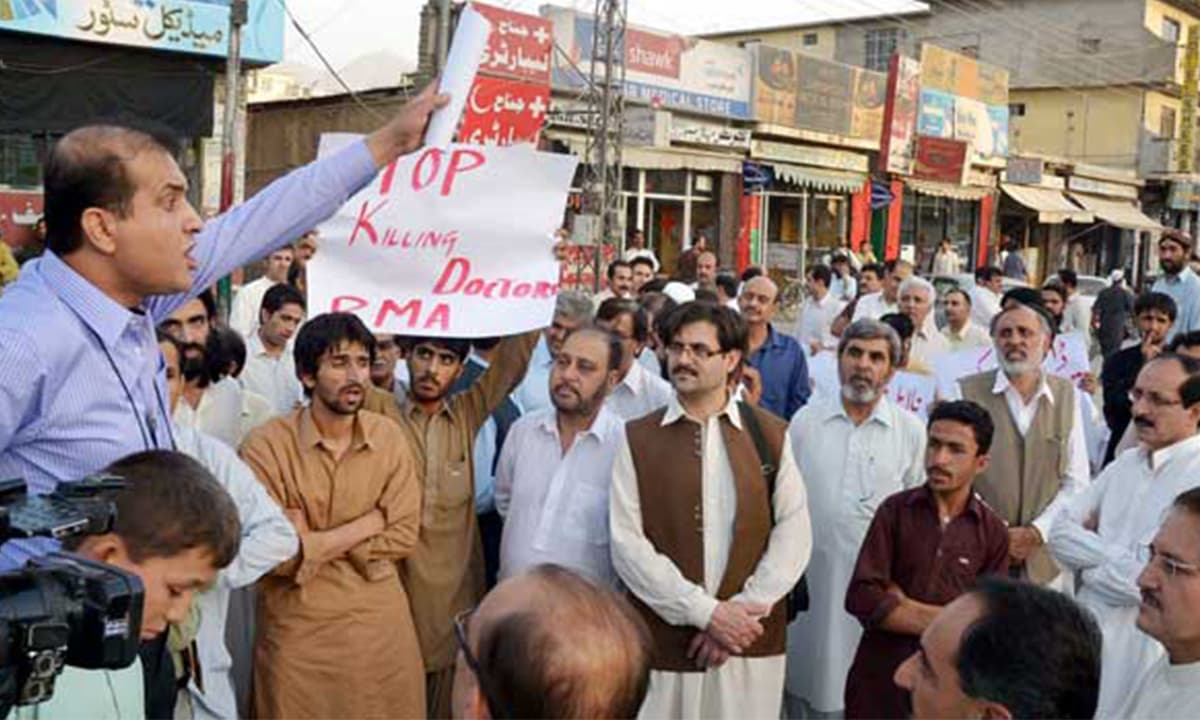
870,97
860,216
774,85
749,249
510,97
891,248
898,146
1188,92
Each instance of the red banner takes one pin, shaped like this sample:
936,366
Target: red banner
520,46
748,232
987,208
891,249
860,216
653,54
19,211
504,112
940,160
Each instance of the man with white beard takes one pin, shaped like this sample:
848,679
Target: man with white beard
853,451
1039,454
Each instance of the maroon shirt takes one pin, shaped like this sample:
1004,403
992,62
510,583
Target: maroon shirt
907,546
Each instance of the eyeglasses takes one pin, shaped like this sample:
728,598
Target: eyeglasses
1173,568
497,710
1153,398
700,351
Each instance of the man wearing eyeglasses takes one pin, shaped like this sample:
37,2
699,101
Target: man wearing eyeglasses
1170,613
1099,534
707,538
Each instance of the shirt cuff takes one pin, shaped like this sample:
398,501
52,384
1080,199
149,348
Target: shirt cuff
701,611
887,604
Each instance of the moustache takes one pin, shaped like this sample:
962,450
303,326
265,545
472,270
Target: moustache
1150,598
1143,422
351,386
564,386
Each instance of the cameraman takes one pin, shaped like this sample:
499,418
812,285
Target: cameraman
175,528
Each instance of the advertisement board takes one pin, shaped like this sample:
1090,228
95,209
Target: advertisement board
964,99
808,93
900,115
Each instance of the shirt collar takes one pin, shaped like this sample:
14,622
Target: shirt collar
883,412
1003,384
310,435
676,412
1161,457
633,379
925,496
961,335
105,316
599,427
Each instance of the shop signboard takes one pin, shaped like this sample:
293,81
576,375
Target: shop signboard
1184,195
661,69
964,99
936,118
807,93
190,26
1100,187
900,115
520,46
1025,171
940,160
698,133
810,155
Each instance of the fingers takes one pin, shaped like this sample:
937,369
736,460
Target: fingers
696,645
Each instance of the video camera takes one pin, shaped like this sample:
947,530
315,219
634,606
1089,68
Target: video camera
62,609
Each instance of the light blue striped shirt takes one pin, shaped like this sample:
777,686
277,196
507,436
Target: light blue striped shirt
1184,289
82,382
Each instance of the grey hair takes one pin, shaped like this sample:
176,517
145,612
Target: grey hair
1042,316
869,329
916,281
574,305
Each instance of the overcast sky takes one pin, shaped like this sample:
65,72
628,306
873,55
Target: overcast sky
345,29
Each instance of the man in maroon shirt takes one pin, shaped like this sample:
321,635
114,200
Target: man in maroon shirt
925,547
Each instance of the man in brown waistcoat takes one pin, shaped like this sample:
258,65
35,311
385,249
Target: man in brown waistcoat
1039,456
708,543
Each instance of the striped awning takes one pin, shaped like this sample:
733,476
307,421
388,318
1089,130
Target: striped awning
1118,213
837,181
946,190
1052,207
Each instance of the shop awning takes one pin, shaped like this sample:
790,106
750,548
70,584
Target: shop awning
819,179
1052,207
946,190
1117,213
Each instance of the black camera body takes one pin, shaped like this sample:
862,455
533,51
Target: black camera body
62,609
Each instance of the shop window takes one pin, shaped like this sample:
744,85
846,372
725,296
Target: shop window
1089,45
811,39
826,225
19,165
1166,124
665,182
1016,109
881,44
1171,30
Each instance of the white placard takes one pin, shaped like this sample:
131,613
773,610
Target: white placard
913,392
445,243
1068,358
462,62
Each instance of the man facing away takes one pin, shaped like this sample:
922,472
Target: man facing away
335,636
707,545
1039,457
270,369
960,332
551,644
1170,613
777,357
243,316
1004,650
637,391
555,470
853,450
1178,280
925,547
1110,313
816,318
1099,535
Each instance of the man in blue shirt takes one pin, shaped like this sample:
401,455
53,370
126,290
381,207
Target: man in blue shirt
1178,280
777,357
81,376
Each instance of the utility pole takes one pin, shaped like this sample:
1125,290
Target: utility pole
233,74
606,116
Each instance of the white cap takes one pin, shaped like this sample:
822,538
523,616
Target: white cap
679,292
1116,276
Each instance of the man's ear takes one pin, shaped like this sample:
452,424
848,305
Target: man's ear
982,462
992,711
107,548
99,230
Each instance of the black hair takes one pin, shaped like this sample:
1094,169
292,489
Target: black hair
1185,340
1156,301
876,268
613,308
901,323
1057,288
707,296
1189,389
226,352
460,347
969,413
751,272
732,333
278,296
612,343
210,305
822,273
1035,651
987,273
614,265
1188,500
324,333
485,343
641,260
728,283
655,285
959,291
1069,277
89,168
1023,295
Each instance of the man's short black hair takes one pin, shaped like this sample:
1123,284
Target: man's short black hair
460,347
278,296
641,260
171,504
901,323
654,285
324,333
987,273
1057,288
876,268
728,283
1185,340
616,265
1034,651
751,272
1068,277
1189,390
707,296
226,352
613,308
732,333
612,343
1023,295
968,413
821,273
966,296
89,168
1158,302
210,305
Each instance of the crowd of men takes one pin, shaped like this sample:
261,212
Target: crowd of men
657,506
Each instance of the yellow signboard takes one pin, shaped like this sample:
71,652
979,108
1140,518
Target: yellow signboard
1191,77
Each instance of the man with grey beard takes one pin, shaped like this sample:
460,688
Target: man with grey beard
1039,455
853,451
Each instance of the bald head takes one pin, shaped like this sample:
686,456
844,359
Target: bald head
551,644
757,300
